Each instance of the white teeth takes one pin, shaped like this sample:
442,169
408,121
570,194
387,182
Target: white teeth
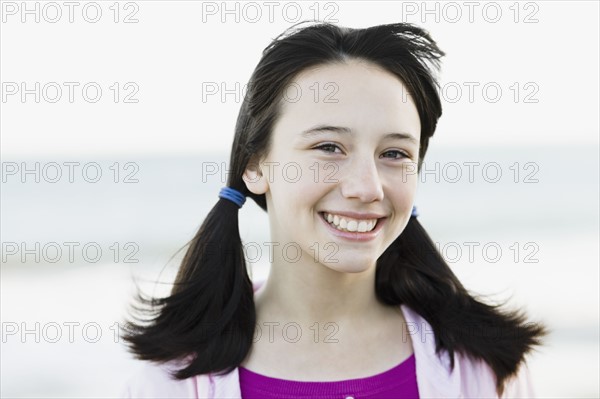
347,224
362,227
352,225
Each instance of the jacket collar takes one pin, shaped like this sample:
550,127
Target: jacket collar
434,377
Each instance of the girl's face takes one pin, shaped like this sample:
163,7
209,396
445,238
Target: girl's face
341,174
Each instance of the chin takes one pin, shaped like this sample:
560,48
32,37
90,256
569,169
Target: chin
347,267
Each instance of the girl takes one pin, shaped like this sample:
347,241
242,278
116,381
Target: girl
329,140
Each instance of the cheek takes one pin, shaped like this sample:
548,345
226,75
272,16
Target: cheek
308,180
402,196
402,181
407,174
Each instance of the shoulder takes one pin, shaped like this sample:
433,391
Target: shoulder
478,377
154,380
470,377
521,385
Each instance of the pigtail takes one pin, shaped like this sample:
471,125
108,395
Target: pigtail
209,318
413,272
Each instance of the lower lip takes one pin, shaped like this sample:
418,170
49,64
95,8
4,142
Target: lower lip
354,235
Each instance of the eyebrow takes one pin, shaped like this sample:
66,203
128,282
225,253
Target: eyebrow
320,129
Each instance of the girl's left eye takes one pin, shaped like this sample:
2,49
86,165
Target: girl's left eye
397,154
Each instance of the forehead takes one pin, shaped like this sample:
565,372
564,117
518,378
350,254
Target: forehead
356,93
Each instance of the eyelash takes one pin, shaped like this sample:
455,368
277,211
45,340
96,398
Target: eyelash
329,145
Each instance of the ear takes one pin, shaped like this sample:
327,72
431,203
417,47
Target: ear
255,180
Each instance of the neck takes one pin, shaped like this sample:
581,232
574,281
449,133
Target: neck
311,292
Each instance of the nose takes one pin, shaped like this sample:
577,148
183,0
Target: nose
362,181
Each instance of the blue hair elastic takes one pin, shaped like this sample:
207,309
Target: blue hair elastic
233,195
414,212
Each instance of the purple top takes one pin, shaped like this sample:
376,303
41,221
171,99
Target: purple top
398,382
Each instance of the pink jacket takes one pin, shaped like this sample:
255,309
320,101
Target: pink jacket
469,379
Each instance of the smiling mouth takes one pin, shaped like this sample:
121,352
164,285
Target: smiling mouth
346,224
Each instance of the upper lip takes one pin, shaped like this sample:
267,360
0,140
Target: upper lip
356,215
